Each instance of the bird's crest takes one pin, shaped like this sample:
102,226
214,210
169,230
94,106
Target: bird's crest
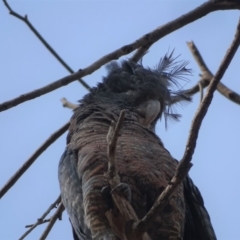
160,82
129,84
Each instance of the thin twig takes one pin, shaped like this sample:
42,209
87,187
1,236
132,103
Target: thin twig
68,104
32,226
140,52
207,76
57,215
31,160
127,214
209,95
195,89
42,219
185,163
44,42
151,37
112,138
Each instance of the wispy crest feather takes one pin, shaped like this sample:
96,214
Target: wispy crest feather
173,70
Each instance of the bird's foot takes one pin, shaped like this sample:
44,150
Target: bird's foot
125,190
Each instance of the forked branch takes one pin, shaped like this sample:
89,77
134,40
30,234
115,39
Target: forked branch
42,219
57,215
185,163
207,75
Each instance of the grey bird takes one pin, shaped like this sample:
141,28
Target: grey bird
145,166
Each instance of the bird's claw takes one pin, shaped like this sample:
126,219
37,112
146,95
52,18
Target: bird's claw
125,190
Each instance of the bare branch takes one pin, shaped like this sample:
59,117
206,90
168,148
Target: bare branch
207,76
209,95
39,36
57,215
198,58
31,160
140,52
68,104
112,138
185,163
42,219
32,226
148,38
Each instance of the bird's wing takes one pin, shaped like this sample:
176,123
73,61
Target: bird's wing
81,181
71,192
198,224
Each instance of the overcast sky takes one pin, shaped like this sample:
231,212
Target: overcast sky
82,32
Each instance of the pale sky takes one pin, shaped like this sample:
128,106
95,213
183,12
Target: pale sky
82,32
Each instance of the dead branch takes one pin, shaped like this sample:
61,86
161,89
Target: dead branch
207,76
57,215
195,89
198,58
42,219
31,160
148,38
125,209
112,138
38,223
185,164
141,52
191,143
68,104
43,41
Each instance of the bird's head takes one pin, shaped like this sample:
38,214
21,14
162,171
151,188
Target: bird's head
151,92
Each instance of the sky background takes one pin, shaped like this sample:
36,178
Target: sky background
82,32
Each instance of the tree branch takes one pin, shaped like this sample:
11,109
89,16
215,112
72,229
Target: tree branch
43,41
191,143
195,88
185,163
37,223
207,76
112,138
148,38
141,52
42,219
57,215
31,160
68,104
